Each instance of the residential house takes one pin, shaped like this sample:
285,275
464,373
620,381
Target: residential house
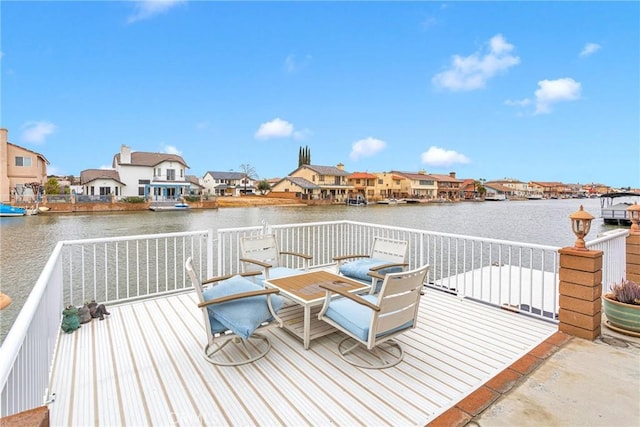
159,176
549,190
388,185
417,185
20,167
448,186
100,184
326,182
363,184
227,183
496,191
195,187
469,189
301,187
519,189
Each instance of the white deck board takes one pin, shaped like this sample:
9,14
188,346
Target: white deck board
143,365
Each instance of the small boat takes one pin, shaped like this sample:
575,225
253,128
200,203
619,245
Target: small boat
7,210
168,206
534,196
388,202
616,213
356,201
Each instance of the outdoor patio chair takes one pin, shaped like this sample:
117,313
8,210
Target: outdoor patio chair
261,253
386,256
372,321
233,308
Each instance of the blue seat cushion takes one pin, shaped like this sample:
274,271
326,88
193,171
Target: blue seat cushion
275,273
356,318
359,268
242,316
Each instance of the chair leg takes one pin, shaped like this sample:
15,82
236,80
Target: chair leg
214,354
365,358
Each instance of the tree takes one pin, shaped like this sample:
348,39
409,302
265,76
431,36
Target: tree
263,186
52,186
304,156
249,172
480,188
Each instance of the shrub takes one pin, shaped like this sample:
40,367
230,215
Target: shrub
627,292
133,199
191,198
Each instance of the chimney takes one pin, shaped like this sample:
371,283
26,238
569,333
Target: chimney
125,155
452,175
340,166
422,172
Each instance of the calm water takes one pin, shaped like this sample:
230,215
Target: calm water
27,242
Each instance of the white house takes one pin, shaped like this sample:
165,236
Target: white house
227,183
100,182
160,176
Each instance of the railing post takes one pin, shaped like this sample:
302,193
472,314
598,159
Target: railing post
633,257
580,292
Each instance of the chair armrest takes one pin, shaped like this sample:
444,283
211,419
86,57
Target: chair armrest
238,296
256,262
381,267
343,257
229,276
305,256
330,288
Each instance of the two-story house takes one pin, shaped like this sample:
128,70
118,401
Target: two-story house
227,183
448,186
159,176
317,182
19,167
363,184
418,185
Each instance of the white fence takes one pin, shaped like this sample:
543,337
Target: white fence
614,257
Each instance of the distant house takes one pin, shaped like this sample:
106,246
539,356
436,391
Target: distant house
448,186
497,191
195,188
418,185
302,188
227,183
101,182
159,176
19,166
328,182
363,184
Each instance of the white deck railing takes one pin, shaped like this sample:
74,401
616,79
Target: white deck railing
518,276
614,257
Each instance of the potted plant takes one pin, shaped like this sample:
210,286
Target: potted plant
622,307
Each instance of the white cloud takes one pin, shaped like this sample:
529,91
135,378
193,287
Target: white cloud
553,91
276,128
171,149
436,156
473,72
146,9
36,132
292,64
589,49
366,148
518,102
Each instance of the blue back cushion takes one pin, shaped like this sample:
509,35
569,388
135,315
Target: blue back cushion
242,316
359,268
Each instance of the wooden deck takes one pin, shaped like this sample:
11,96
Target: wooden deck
143,365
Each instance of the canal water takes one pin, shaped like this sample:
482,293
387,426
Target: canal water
27,242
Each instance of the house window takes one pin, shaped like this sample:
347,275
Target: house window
140,191
171,174
144,181
321,178
181,173
23,161
105,191
157,172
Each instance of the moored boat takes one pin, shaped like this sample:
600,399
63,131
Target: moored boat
616,213
8,210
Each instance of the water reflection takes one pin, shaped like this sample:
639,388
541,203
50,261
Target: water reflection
27,242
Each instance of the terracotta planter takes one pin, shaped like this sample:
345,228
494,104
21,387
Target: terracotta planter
624,318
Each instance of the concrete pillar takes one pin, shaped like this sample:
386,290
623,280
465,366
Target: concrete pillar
633,257
580,292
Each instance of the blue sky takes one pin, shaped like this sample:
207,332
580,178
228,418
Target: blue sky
542,91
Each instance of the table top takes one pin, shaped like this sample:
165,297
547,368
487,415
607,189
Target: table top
306,286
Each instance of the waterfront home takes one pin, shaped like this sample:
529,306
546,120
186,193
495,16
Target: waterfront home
101,182
497,191
448,186
195,186
327,182
363,185
487,304
19,166
417,185
157,176
227,183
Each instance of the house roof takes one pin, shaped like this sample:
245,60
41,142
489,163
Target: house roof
88,175
194,180
445,178
324,170
362,175
30,151
300,182
498,187
226,175
141,158
547,184
414,175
